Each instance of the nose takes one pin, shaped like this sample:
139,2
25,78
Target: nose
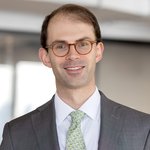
72,54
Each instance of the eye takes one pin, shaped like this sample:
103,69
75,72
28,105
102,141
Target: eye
60,46
83,44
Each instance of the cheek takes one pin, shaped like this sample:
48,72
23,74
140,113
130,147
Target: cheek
56,64
93,61
93,57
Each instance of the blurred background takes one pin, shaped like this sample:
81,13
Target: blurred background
123,74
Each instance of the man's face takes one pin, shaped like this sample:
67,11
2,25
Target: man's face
73,70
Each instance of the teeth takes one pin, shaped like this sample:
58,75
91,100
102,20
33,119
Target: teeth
75,68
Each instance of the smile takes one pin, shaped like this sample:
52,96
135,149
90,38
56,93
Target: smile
74,68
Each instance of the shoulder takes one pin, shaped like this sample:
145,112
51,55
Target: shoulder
121,111
131,126
26,120
20,128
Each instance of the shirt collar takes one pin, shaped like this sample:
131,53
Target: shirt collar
91,107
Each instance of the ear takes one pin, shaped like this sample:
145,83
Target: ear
44,57
99,51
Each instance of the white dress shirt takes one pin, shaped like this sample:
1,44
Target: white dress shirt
90,125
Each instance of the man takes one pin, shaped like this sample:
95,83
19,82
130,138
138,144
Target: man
71,46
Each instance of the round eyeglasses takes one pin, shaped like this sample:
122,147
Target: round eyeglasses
62,48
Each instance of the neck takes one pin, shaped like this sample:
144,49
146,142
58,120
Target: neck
75,98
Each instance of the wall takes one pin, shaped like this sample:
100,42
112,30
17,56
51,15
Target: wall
124,73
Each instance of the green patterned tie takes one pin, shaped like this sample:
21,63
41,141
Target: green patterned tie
75,139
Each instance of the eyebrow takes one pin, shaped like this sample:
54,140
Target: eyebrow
63,41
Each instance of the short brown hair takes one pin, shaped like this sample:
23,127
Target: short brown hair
80,13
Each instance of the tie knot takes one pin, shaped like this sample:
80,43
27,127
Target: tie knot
77,116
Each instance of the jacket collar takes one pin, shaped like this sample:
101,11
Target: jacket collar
44,125
111,124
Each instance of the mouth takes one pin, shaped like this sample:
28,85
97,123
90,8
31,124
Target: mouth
77,70
74,68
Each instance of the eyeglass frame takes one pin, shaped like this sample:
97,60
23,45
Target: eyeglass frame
74,44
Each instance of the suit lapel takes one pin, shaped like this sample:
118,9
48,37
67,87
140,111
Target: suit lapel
111,125
45,127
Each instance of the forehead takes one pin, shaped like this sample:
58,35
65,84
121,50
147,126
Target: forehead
68,28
